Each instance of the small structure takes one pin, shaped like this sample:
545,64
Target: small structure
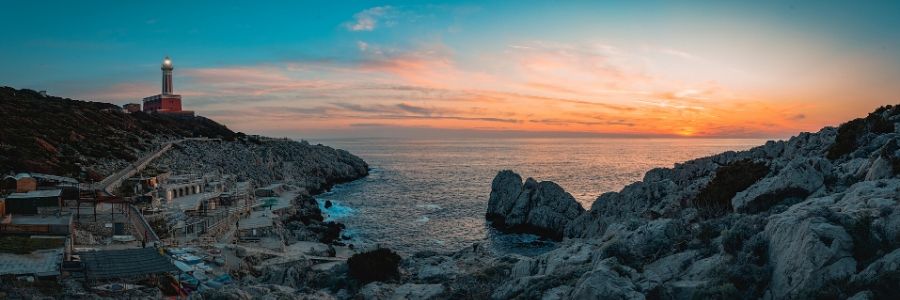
36,225
272,190
34,202
239,196
26,182
52,180
128,264
196,202
178,190
20,183
258,225
131,108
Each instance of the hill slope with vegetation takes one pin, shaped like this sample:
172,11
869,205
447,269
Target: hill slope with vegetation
84,139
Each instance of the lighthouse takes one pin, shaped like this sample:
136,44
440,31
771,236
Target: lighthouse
167,101
167,76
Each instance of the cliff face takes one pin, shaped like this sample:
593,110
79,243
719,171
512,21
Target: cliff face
263,161
815,216
82,139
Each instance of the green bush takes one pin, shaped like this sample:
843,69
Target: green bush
377,265
715,199
849,133
867,247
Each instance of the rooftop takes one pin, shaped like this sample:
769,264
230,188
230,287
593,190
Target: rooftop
54,178
257,219
35,194
39,220
192,202
126,263
40,263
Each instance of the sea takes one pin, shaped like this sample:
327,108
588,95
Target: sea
431,194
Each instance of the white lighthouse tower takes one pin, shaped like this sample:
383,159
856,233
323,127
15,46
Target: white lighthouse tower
167,76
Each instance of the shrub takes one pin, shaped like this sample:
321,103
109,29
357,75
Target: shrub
850,132
706,231
377,265
767,201
733,240
715,198
746,277
332,232
886,285
755,250
895,165
866,245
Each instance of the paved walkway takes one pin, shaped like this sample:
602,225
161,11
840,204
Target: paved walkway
111,182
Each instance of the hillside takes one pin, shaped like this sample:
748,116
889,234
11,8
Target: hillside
83,139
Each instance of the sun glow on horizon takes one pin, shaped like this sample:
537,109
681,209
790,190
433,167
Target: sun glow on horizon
620,69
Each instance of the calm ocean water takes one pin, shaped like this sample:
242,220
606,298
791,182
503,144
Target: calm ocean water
432,194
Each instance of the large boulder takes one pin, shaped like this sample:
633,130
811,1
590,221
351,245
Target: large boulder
608,280
886,266
800,178
541,208
531,277
807,251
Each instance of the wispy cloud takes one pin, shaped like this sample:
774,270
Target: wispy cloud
369,19
533,86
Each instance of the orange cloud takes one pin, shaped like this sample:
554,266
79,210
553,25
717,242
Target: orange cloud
537,87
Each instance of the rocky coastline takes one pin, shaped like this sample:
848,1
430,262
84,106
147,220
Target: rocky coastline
812,217
262,161
816,216
314,169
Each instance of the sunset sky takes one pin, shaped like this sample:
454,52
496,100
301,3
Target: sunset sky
514,68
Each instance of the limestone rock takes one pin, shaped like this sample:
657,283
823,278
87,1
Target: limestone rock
806,251
881,168
864,295
542,208
669,267
606,282
885,266
800,178
411,291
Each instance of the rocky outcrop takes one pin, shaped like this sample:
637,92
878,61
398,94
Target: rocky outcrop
264,160
378,291
807,251
542,208
817,217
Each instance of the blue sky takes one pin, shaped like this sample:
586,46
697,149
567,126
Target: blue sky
363,68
